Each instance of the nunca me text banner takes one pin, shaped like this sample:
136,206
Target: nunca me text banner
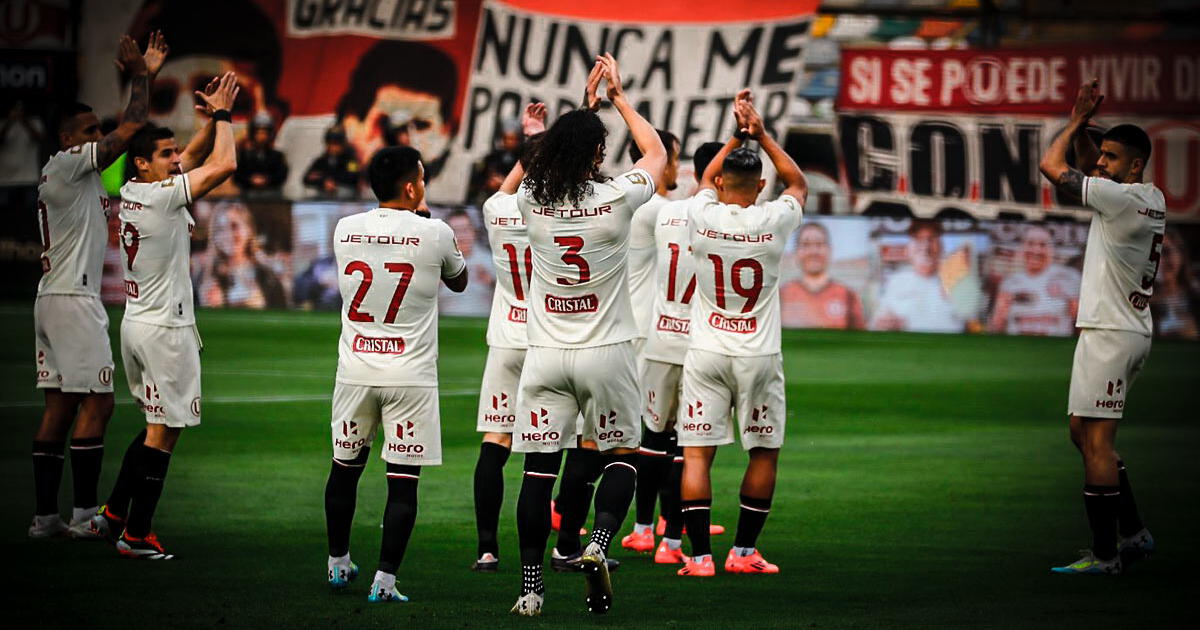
1155,80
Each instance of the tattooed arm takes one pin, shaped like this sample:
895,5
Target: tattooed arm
1054,167
131,60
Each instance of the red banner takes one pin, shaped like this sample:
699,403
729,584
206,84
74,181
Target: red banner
1155,80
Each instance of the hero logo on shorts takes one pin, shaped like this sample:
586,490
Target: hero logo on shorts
378,345
150,405
742,325
759,414
605,420
568,305
405,429
666,323
1115,388
351,441
696,410
539,418
499,402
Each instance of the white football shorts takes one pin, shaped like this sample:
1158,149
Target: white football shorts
498,394
661,387
162,366
408,416
1106,364
715,383
71,339
558,384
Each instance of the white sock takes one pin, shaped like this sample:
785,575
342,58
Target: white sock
699,559
340,561
742,552
639,528
673,543
386,580
79,514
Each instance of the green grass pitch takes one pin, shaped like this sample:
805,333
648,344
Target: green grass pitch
927,481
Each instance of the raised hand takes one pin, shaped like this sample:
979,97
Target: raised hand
749,115
1087,101
612,75
129,59
743,95
210,89
533,121
591,101
225,94
156,52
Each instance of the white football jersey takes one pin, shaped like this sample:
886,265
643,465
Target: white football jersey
156,230
73,221
1041,304
513,262
641,262
736,250
1121,260
580,292
674,285
390,263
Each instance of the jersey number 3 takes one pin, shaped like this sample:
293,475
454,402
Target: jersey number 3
357,266
572,257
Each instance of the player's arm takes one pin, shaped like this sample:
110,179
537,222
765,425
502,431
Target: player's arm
654,154
222,161
1054,167
708,178
137,112
533,122
201,143
1087,154
786,169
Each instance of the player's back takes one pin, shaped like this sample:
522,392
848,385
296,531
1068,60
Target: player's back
389,264
674,284
73,223
156,232
1123,250
737,251
580,292
512,260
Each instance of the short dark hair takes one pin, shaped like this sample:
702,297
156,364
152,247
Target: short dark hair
142,145
703,155
1133,137
416,66
742,164
668,139
389,167
67,112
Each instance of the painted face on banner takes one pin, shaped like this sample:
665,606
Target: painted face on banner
813,250
172,100
1036,250
419,112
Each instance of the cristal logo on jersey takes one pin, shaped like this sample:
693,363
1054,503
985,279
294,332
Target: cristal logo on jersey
743,325
669,324
567,305
378,345
517,314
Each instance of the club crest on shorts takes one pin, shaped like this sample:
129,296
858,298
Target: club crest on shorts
105,375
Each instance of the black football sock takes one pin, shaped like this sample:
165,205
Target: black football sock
341,497
613,496
751,519
653,468
148,491
87,454
533,516
1102,503
489,495
697,515
574,496
399,516
47,475
122,490
670,500
1128,519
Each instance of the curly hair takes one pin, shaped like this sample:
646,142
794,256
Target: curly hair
564,162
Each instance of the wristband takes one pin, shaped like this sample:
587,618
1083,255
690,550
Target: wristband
222,114
741,134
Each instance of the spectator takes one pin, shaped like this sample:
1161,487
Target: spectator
20,137
334,174
235,272
1175,304
489,172
815,300
261,169
915,298
476,300
1042,297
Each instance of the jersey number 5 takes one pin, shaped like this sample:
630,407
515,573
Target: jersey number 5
354,314
572,257
1156,258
